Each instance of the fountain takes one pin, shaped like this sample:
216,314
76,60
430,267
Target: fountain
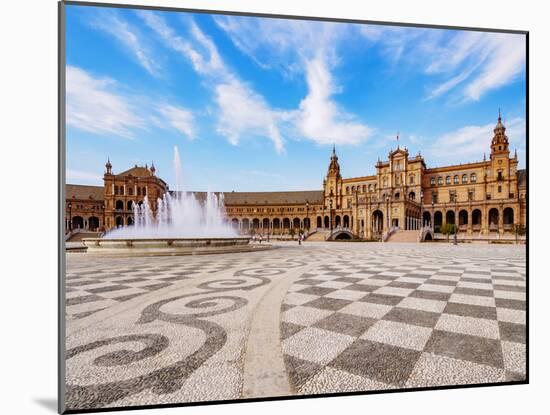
182,225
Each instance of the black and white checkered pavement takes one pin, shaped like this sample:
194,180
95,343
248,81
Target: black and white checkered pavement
397,322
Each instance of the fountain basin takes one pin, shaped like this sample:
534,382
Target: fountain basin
170,246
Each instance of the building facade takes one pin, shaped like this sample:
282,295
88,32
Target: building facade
483,198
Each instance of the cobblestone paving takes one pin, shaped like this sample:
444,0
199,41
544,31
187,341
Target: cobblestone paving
357,317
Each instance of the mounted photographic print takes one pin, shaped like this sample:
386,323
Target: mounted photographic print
265,207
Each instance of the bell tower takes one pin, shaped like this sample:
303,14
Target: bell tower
333,182
499,145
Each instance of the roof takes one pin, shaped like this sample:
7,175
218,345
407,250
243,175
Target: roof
268,198
137,171
78,191
522,177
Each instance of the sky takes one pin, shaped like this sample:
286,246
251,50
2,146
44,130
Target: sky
256,104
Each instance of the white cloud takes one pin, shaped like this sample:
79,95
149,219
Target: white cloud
93,106
83,177
179,118
470,142
308,49
129,37
320,119
98,105
241,111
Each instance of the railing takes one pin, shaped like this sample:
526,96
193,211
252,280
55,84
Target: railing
389,233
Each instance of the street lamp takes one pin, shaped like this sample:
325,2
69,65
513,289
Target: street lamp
457,221
70,206
307,214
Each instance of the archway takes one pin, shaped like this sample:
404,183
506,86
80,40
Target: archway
462,217
246,224
93,223
450,217
129,205
296,223
493,218
342,236
327,222
377,221
78,222
286,223
508,216
119,221
438,221
319,222
119,205
412,195
346,221
476,218
426,218
337,221
277,224
255,223
235,223
130,221
265,224
307,225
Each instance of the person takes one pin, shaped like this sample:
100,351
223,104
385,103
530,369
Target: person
260,238
300,239
253,238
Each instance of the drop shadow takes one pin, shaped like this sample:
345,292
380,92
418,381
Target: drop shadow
48,403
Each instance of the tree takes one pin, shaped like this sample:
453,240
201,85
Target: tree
292,232
448,229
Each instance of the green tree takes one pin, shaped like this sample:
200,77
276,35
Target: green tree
292,232
448,229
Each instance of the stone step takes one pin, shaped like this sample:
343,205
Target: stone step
318,236
404,236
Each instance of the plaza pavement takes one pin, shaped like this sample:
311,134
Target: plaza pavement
316,318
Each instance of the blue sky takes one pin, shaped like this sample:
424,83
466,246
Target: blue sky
255,104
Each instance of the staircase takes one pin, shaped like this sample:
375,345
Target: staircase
403,236
318,236
77,237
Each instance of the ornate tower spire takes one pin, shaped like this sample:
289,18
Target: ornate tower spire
499,144
108,166
334,166
153,169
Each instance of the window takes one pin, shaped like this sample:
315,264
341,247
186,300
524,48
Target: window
130,191
464,178
500,189
510,196
434,197
370,187
448,180
499,175
349,203
440,180
488,196
432,181
473,177
411,179
364,188
353,188
116,190
455,179
347,189
139,191
470,195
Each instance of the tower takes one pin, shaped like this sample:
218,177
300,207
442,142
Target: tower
499,144
108,167
333,182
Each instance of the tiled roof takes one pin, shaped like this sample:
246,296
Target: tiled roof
78,191
137,171
267,198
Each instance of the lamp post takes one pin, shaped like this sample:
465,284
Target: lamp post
70,206
307,214
456,225
103,213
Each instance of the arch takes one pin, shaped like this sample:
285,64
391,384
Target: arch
342,236
476,217
307,223
412,195
276,223
346,221
319,222
119,221
246,224
462,217
450,217
397,195
93,223
286,223
255,223
438,220
426,218
337,221
296,223
508,216
78,222
119,205
428,237
327,222
130,191
129,205
130,221
235,223
377,221
265,223
493,218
